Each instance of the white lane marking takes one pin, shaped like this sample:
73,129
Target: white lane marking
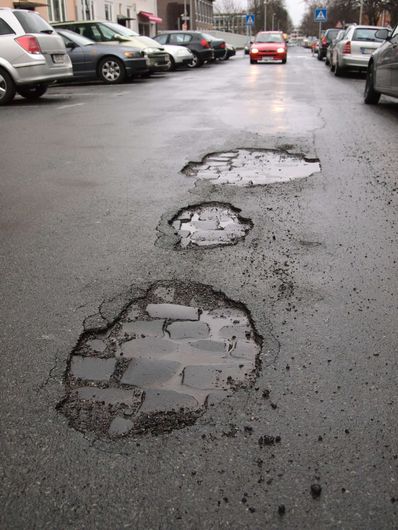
69,106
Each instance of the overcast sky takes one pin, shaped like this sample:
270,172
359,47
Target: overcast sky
296,10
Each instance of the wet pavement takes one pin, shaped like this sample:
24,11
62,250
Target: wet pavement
104,319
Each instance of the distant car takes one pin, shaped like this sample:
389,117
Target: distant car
231,51
268,45
354,50
32,55
330,48
194,40
247,46
116,34
93,60
382,74
325,42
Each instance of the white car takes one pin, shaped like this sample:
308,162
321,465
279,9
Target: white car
179,55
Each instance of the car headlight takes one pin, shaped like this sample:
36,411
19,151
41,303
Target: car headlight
254,50
280,50
131,54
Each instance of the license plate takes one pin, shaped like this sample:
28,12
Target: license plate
59,59
367,51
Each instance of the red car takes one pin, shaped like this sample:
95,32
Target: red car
268,45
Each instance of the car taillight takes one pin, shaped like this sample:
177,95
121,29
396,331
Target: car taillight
204,43
324,41
29,43
222,45
347,47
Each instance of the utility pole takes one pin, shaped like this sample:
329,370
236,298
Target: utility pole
265,15
273,18
360,12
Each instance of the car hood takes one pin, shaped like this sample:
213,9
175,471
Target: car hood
268,46
170,48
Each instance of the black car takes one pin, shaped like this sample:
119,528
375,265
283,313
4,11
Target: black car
110,64
219,46
326,40
112,33
196,41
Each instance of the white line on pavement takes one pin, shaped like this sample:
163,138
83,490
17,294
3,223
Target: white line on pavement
69,106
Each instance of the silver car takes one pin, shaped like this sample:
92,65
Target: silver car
382,75
32,55
354,50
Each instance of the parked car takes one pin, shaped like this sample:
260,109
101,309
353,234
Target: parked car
32,55
231,51
330,48
93,60
268,45
219,46
247,46
111,34
382,74
315,47
194,40
325,42
354,50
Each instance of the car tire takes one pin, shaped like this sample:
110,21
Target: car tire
284,61
7,87
32,92
371,96
172,66
253,61
319,56
111,70
196,62
327,62
338,71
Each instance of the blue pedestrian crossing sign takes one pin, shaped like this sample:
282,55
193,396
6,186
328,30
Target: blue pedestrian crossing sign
250,20
321,14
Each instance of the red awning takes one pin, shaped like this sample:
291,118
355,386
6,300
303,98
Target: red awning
150,17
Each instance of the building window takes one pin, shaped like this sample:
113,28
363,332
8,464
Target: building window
108,11
56,10
88,10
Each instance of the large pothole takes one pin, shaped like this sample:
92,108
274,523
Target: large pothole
162,363
209,225
252,167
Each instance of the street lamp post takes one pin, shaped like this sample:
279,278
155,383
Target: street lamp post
273,18
265,15
360,12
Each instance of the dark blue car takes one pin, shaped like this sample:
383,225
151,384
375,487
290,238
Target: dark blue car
110,63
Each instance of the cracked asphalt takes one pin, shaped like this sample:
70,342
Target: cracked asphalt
87,174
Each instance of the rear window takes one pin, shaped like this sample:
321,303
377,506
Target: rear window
367,34
32,22
332,34
5,28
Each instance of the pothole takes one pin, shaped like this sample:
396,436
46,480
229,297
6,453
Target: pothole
252,167
209,225
167,358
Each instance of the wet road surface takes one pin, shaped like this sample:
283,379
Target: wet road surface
92,180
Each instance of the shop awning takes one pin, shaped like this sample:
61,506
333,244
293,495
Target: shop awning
28,5
150,17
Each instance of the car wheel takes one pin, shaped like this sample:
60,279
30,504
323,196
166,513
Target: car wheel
111,70
319,56
371,96
338,71
172,66
32,92
7,87
196,62
327,62
284,61
253,61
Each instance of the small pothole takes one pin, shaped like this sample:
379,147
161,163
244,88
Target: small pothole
209,225
252,167
167,358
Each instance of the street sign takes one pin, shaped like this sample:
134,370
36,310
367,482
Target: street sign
320,14
250,20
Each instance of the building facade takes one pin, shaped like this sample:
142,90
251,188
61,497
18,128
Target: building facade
231,22
188,14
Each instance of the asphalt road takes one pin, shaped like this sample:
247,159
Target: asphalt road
87,174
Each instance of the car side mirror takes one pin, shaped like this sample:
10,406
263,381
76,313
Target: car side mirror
120,38
71,45
382,34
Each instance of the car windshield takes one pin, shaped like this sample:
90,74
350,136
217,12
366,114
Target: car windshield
119,29
32,22
76,38
269,37
367,34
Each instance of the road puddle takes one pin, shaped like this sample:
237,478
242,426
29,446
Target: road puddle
166,359
250,167
209,225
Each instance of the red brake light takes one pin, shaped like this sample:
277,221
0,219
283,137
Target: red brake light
222,45
204,43
324,41
29,43
347,47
